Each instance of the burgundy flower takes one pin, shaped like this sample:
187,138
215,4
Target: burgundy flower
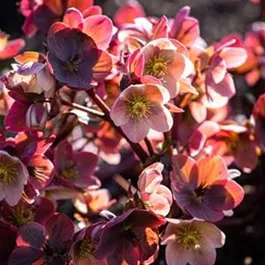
136,238
74,56
47,245
75,167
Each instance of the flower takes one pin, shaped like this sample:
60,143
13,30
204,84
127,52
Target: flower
140,108
156,197
44,245
75,58
204,189
9,49
166,60
83,248
192,242
136,238
13,176
76,167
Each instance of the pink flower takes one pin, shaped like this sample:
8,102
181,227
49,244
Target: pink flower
13,176
204,189
166,60
192,242
156,197
140,108
9,49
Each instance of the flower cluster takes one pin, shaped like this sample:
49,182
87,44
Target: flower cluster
133,116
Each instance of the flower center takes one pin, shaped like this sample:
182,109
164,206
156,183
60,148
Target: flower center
157,66
21,216
70,172
139,107
7,170
3,40
189,237
86,248
73,64
151,236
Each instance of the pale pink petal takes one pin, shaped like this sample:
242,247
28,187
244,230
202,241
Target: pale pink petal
236,191
135,64
160,119
119,113
205,255
185,86
136,130
217,70
103,66
198,111
233,56
150,178
99,28
176,255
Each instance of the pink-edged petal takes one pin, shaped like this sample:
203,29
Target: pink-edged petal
160,30
236,191
103,66
150,178
119,113
73,18
225,88
148,79
183,171
233,56
29,28
198,111
217,70
160,119
211,169
135,63
136,130
157,93
99,28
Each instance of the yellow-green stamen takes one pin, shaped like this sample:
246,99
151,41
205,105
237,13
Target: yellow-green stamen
86,249
7,171
21,216
189,237
157,66
139,107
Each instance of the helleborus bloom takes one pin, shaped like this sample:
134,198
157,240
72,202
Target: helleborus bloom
136,238
235,143
77,167
44,245
13,176
40,211
204,189
140,108
82,250
166,60
192,242
9,49
156,197
75,58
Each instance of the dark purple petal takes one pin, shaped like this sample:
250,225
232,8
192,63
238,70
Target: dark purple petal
60,231
25,256
31,234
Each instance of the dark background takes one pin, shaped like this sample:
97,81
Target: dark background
246,229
